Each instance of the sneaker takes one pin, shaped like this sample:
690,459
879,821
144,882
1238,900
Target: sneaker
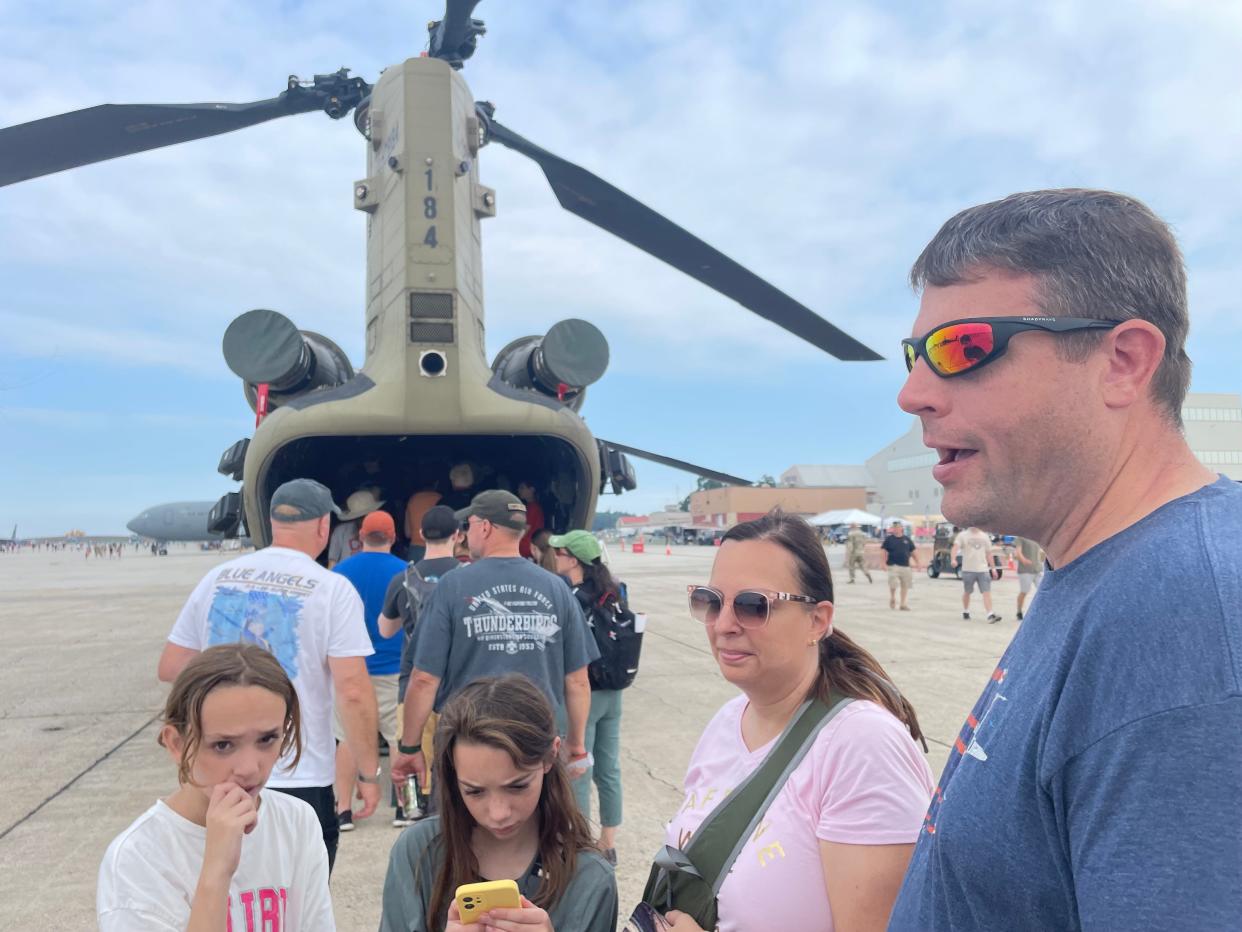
905,608
1019,616
993,619
400,819
345,820
966,615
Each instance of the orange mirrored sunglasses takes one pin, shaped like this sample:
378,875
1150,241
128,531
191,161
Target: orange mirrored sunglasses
962,346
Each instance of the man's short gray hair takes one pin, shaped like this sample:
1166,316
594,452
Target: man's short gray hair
1095,254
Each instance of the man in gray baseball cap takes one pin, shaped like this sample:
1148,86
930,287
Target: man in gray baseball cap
500,614
302,500
497,506
311,620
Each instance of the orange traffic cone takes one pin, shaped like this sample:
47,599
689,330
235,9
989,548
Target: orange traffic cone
668,550
623,545
1011,565
639,546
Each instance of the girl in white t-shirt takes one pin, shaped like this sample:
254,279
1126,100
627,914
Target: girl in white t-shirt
219,853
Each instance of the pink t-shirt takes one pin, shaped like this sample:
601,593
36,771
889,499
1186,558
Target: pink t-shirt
864,782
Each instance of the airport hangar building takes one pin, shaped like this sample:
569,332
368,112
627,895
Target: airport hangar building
897,481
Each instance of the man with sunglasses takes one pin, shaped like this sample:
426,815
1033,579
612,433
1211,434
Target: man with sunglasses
1095,784
500,614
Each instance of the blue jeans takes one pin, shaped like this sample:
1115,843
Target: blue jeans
603,741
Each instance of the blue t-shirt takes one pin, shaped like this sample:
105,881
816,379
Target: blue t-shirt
1097,784
371,573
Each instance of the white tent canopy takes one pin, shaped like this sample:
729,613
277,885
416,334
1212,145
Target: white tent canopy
847,516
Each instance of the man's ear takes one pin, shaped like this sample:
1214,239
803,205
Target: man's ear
1134,351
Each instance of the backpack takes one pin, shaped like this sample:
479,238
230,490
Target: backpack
612,624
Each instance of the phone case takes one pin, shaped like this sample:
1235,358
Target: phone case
475,899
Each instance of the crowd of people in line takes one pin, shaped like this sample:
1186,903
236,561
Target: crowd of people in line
1093,785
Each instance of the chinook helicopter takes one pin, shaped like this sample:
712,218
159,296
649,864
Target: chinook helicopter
426,399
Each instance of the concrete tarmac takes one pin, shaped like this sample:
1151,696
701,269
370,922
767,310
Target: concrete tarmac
79,699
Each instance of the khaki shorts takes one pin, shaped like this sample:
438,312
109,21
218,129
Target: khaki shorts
900,575
386,699
1026,581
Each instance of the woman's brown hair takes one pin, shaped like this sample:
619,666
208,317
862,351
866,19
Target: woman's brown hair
227,665
547,556
843,664
512,714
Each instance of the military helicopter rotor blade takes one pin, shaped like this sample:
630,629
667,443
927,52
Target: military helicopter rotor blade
678,464
83,137
611,209
454,38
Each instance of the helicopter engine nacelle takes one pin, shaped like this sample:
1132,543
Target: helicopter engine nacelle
561,364
263,346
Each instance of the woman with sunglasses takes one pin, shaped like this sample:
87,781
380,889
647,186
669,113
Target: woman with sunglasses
833,846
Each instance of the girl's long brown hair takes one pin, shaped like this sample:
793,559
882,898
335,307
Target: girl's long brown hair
843,664
510,713
227,665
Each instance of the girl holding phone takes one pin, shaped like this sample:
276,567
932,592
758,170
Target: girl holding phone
219,852
505,811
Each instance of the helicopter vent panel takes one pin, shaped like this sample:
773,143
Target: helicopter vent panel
430,332
431,305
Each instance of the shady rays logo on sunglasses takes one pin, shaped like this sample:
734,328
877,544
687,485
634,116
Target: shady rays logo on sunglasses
961,346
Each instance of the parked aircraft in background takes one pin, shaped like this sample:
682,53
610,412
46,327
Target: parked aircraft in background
175,521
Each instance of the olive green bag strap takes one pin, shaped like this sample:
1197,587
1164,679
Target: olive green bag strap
719,840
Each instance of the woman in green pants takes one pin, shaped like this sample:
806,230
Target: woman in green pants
578,559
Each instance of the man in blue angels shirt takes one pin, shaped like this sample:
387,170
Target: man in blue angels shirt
1096,784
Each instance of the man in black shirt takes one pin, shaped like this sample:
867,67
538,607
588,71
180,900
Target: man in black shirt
441,531
898,555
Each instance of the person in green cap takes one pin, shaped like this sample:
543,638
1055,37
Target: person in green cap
579,559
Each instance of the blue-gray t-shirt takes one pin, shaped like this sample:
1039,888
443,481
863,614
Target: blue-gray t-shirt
1097,784
502,615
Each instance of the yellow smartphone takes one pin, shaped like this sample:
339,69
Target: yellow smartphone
475,899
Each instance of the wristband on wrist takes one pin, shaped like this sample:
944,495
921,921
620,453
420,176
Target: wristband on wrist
409,748
363,778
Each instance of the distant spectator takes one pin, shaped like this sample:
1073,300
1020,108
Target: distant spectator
898,556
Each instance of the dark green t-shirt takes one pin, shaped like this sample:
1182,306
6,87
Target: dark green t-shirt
588,905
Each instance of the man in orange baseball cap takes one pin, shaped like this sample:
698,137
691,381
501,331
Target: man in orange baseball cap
371,570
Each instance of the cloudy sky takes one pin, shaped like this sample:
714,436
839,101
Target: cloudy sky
820,144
